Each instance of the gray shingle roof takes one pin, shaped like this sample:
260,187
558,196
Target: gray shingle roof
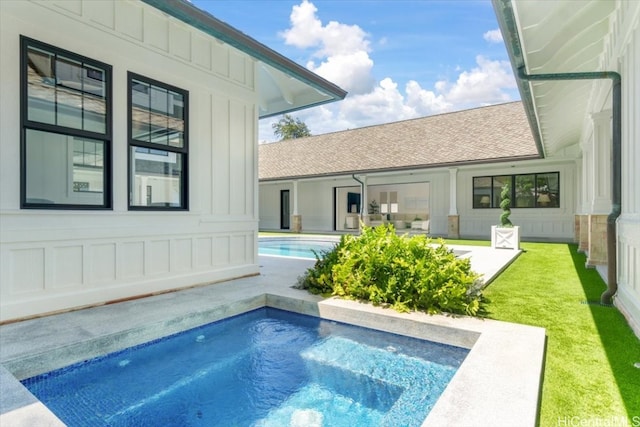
481,135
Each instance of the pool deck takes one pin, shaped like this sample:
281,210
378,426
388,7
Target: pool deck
498,383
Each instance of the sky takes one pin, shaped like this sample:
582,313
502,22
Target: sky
397,59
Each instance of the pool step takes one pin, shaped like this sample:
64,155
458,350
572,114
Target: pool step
407,387
314,405
376,363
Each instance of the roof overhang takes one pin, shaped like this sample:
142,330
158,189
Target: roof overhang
562,36
400,169
283,85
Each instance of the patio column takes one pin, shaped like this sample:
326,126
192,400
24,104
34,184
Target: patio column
453,228
364,206
584,176
601,163
600,180
296,218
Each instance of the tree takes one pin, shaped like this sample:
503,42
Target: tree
290,128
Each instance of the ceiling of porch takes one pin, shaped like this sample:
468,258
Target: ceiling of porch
556,37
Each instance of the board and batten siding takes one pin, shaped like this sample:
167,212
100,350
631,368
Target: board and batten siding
54,260
622,53
554,224
315,202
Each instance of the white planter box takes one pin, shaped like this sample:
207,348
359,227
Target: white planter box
505,237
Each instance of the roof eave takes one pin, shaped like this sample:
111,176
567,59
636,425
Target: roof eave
403,168
203,21
508,27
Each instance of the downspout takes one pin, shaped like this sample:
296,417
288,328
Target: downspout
361,192
612,275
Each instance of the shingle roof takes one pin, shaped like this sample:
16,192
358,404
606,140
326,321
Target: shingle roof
481,135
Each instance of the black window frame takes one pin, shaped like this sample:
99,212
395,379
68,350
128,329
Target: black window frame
26,124
494,199
150,146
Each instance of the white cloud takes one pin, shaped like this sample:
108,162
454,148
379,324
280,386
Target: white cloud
384,104
493,36
341,55
484,84
305,28
349,71
343,50
426,102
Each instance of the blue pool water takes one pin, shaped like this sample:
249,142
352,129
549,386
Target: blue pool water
303,248
264,368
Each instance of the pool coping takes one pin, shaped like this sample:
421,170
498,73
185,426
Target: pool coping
497,384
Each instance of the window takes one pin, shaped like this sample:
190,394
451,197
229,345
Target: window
537,190
384,207
66,129
157,145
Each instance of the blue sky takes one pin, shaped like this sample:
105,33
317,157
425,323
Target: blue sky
397,59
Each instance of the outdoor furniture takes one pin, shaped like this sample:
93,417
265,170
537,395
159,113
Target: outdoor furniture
420,225
352,221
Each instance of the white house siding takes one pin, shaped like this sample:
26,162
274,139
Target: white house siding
553,224
58,259
623,51
315,202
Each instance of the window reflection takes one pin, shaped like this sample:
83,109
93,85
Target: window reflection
537,190
157,177
65,138
158,148
157,114
53,177
65,92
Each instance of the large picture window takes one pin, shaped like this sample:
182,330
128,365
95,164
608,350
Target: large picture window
536,190
66,129
158,145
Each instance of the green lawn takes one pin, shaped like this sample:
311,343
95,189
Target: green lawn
591,351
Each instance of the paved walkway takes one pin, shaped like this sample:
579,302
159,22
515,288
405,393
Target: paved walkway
39,345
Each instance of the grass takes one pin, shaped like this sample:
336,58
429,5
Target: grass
591,350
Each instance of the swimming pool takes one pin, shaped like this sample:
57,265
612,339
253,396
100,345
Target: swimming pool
267,367
294,247
305,248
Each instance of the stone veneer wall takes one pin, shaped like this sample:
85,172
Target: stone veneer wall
591,236
583,233
296,223
454,227
597,250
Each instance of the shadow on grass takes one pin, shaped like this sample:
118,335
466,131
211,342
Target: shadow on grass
621,345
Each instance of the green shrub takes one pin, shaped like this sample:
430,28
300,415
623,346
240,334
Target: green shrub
406,273
505,205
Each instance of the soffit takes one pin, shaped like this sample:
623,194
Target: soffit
559,37
283,85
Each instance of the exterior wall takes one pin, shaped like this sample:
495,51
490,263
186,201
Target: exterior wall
623,53
269,201
316,201
58,259
554,224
